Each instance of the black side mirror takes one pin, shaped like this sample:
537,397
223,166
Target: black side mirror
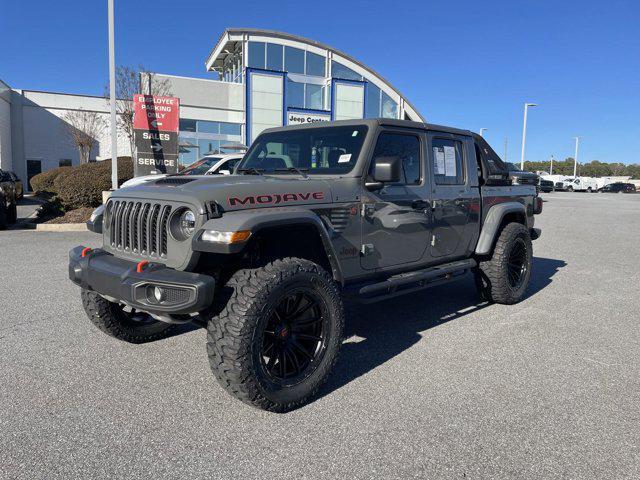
385,170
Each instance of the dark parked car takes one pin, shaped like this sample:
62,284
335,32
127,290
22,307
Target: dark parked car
619,187
8,210
18,183
546,185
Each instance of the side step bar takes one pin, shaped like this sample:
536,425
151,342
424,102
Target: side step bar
418,280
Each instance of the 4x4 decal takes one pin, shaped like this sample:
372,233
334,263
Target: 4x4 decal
275,198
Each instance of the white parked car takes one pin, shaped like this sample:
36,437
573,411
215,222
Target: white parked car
208,165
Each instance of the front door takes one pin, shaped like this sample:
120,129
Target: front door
34,167
396,219
455,194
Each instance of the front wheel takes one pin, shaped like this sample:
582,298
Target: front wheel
122,322
589,190
277,339
504,277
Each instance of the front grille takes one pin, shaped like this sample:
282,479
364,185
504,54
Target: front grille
138,227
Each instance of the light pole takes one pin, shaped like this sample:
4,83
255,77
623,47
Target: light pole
506,143
551,169
524,131
112,99
575,157
482,131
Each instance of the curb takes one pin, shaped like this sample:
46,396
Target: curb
61,227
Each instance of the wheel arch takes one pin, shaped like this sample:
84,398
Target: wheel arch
497,217
285,225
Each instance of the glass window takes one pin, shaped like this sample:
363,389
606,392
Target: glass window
293,60
230,164
295,94
187,125
340,71
314,96
448,166
315,64
389,107
372,105
319,150
256,54
274,56
209,147
188,155
230,128
65,162
208,127
407,147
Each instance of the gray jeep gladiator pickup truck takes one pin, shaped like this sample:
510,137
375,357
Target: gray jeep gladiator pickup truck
313,214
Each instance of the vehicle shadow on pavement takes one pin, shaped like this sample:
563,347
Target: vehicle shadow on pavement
375,333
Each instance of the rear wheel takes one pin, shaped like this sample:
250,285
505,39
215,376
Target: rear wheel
121,322
589,190
504,277
277,339
3,214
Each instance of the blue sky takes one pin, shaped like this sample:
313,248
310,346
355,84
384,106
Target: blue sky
465,64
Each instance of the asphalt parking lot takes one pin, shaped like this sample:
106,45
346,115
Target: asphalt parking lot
434,385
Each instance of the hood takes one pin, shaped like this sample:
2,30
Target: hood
234,192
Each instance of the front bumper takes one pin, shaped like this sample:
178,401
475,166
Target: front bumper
127,282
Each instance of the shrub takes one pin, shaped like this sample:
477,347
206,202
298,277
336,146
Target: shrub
44,182
83,185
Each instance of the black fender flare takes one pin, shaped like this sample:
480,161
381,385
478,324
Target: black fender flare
257,220
492,222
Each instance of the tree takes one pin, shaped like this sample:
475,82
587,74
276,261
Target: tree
83,128
127,85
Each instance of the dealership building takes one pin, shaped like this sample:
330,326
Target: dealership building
260,79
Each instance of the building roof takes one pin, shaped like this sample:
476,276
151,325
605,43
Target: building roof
218,50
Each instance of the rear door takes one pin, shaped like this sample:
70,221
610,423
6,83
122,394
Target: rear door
455,194
396,219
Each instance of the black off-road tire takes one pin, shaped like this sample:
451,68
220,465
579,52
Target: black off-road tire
13,214
494,279
235,335
114,321
4,220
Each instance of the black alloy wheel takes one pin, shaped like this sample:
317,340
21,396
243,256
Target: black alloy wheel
294,337
517,264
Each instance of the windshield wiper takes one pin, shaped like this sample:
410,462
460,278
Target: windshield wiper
251,170
293,169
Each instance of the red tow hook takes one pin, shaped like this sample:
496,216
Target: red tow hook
85,251
141,265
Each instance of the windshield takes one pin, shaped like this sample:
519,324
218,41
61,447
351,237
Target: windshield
201,167
322,150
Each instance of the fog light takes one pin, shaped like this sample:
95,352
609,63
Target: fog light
155,294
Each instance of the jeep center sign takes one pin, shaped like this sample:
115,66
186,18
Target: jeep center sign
155,126
300,117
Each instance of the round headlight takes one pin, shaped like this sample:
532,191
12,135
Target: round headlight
187,223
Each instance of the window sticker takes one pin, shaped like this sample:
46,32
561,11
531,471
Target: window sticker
438,155
355,133
450,161
344,158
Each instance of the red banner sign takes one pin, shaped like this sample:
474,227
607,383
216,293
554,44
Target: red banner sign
156,113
